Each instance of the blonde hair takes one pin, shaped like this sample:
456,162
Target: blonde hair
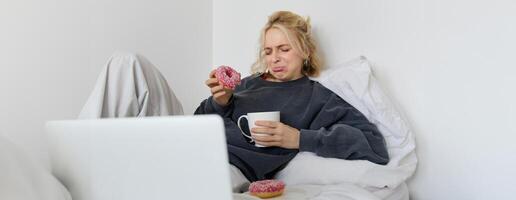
298,32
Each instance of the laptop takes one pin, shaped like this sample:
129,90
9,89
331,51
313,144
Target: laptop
176,157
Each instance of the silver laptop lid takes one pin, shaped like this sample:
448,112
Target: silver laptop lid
179,157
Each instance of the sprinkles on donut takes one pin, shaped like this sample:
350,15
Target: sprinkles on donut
267,188
229,77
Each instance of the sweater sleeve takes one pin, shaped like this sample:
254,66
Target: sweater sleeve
340,131
209,106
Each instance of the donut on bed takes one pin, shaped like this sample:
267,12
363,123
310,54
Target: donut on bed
267,188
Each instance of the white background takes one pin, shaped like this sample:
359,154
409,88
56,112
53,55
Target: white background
449,64
51,53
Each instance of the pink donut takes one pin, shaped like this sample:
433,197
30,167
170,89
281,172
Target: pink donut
229,77
267,188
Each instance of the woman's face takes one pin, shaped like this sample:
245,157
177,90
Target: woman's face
283,61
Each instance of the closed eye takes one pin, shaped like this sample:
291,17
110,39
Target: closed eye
267,51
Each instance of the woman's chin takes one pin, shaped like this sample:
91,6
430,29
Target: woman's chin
281,77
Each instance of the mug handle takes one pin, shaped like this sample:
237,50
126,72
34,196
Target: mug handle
243,133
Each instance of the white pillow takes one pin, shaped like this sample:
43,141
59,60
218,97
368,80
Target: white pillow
354,82
23,179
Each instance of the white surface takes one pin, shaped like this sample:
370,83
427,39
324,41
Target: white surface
343,191
52,52
141,158
22,178
446,63
354,82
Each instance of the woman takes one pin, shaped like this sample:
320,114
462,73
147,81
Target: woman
313,118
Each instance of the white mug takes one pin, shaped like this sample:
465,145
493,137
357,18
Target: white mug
257,116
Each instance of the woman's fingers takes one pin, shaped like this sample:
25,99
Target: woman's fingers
271,133
270,124
212,82
212,73
263,130
219,94
265,138
267,128
268,144
216,89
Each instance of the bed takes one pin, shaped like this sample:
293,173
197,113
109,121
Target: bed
344,179
332,178
338,191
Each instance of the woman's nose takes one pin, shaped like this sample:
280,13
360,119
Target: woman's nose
275,58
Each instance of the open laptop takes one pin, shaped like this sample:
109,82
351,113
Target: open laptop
178,157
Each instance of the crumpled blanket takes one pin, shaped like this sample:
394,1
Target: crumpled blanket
355,83
130,86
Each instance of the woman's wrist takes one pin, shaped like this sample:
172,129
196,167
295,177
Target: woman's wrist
223,102
298,138
295,139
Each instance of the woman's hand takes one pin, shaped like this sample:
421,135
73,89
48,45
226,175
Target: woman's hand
220,94
271,133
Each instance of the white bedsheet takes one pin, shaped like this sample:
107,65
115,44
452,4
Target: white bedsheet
343,191
355,83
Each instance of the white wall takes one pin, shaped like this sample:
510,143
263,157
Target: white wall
52,51
448,63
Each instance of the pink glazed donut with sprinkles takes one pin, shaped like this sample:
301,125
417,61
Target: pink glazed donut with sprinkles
229,77
267,188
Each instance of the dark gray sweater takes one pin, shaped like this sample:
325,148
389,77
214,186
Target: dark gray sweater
329,126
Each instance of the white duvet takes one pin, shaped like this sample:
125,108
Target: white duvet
22,178
358,179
